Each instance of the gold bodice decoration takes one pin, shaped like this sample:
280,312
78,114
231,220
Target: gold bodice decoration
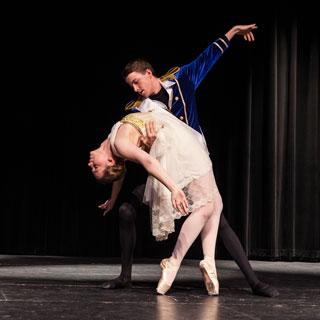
138,120
134,120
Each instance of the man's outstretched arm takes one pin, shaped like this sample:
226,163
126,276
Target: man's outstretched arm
197,70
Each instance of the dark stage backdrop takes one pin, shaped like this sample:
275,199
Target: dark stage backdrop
259,108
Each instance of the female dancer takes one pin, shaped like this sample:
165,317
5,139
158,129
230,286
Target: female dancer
181,182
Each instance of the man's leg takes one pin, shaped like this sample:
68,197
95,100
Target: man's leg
234,247
127,231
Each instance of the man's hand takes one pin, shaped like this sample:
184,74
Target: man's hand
151,135
242,30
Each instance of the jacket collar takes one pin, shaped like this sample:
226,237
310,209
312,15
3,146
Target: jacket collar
167,83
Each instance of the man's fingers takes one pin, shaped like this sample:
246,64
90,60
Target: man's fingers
143,139
151,129
250,36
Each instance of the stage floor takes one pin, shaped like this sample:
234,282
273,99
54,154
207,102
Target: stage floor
33,287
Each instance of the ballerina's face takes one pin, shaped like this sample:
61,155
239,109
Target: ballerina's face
100,159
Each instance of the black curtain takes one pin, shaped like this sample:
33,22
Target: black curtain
268,152
280,148
259,108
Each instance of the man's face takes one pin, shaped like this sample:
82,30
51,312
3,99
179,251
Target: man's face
141,83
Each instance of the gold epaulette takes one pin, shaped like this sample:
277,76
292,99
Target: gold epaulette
167,76
133,104
170,74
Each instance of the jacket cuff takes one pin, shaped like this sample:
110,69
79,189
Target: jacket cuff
222,43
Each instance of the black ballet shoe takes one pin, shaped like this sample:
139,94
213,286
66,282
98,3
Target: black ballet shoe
118,283
264,290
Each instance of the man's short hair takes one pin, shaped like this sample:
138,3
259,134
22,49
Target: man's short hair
137,65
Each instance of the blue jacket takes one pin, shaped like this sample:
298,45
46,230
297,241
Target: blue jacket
182,83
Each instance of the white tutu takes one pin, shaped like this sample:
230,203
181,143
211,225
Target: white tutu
183,154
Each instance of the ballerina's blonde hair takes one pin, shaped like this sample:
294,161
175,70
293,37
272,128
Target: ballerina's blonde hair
114,173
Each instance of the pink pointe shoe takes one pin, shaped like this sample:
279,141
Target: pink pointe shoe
169,271
209,274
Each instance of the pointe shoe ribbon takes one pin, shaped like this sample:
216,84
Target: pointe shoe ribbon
168,269
209,277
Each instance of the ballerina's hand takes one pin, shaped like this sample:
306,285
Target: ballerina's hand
106,206
179,201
